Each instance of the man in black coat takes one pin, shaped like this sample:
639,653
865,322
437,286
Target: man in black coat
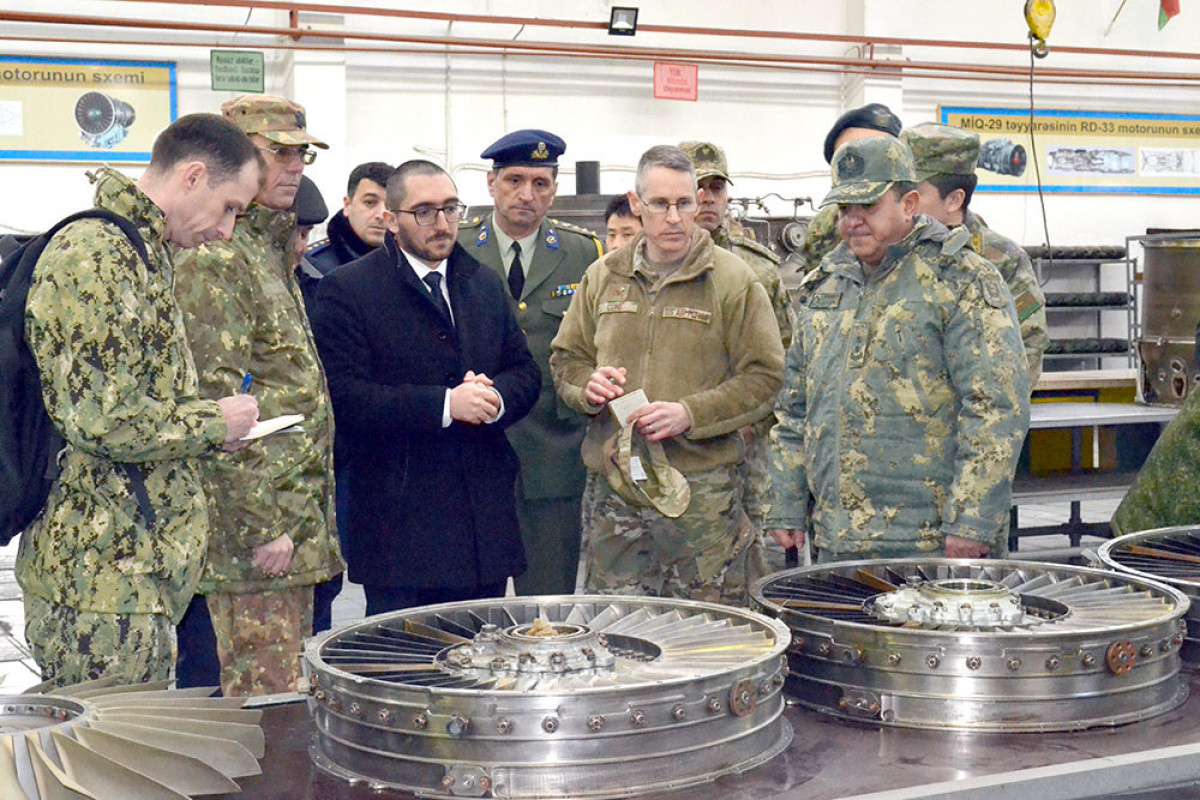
427,367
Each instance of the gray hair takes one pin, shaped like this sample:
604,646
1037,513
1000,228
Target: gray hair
662,155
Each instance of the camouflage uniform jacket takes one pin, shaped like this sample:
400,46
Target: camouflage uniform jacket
705,338
904,405
244,313
1017,270
119,383
765,266
1164,492
820,238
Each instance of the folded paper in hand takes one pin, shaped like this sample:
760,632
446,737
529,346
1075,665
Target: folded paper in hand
286,423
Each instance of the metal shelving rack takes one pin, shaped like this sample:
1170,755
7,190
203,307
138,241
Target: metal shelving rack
1087,264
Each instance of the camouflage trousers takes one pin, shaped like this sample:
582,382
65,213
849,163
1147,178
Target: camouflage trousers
756,472
72,646
260,638
711,553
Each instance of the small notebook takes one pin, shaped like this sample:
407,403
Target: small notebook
287,423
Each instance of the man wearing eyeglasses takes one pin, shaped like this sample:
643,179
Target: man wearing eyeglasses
689,325
541,260
271,504
428,368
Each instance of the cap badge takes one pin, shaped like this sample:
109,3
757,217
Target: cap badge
850,166
541,153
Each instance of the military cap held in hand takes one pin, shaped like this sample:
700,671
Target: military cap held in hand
865,169
875,116
275,118
941,149
709,160
525,148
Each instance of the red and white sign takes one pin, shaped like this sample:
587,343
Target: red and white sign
676,81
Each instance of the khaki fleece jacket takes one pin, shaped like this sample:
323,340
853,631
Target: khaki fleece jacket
706,337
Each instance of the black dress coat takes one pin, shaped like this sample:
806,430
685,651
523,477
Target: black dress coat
429,507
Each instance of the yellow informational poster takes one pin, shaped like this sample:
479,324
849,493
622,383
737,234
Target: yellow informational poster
72,109
1083,152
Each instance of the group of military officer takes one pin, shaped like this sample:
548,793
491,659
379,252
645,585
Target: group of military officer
686,402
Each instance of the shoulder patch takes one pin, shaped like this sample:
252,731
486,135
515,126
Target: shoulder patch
991,286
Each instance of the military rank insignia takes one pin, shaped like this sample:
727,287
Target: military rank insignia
551,239
565,289
482,238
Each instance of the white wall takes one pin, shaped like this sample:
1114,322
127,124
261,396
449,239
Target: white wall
391,107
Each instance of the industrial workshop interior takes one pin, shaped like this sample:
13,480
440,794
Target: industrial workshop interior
900,492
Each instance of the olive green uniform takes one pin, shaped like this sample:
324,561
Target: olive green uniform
244,313
547,441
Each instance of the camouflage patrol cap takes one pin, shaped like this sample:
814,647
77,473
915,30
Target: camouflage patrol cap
865,169
663,487
941,149
709,160
275,118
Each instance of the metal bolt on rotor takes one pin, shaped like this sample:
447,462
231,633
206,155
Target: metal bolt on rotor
1165,645
420,721
893,659
595,722
713,705
1088,660
355,710
1053,663
385,716
679,712
504,725
1014,665
824,648
974,662
637,718
932,661
458,726
550,724
1147,650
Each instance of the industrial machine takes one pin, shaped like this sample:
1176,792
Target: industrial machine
1170,555
565,697
988,645
109,741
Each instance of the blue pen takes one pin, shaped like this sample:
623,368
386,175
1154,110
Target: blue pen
247,382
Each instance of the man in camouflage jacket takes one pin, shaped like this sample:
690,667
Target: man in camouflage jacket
944,158
905,401
712,178
272,510
102,583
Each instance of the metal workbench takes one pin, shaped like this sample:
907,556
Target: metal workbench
832,759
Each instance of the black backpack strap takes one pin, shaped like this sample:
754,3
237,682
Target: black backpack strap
137,476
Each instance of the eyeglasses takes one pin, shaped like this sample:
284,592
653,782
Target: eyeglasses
427,215
285,154
686,205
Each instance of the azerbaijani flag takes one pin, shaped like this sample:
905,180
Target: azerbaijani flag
1166,10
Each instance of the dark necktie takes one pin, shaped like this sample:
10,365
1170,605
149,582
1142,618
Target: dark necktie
434,281
516,275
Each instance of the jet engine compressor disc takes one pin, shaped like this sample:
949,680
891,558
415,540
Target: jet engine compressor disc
565,696
979,645
1170,555
106,740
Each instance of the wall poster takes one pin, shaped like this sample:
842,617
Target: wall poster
74,109
1084,152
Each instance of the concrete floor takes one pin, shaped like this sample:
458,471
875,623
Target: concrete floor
18,672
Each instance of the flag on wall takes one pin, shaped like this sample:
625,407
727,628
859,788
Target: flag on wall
1166,10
